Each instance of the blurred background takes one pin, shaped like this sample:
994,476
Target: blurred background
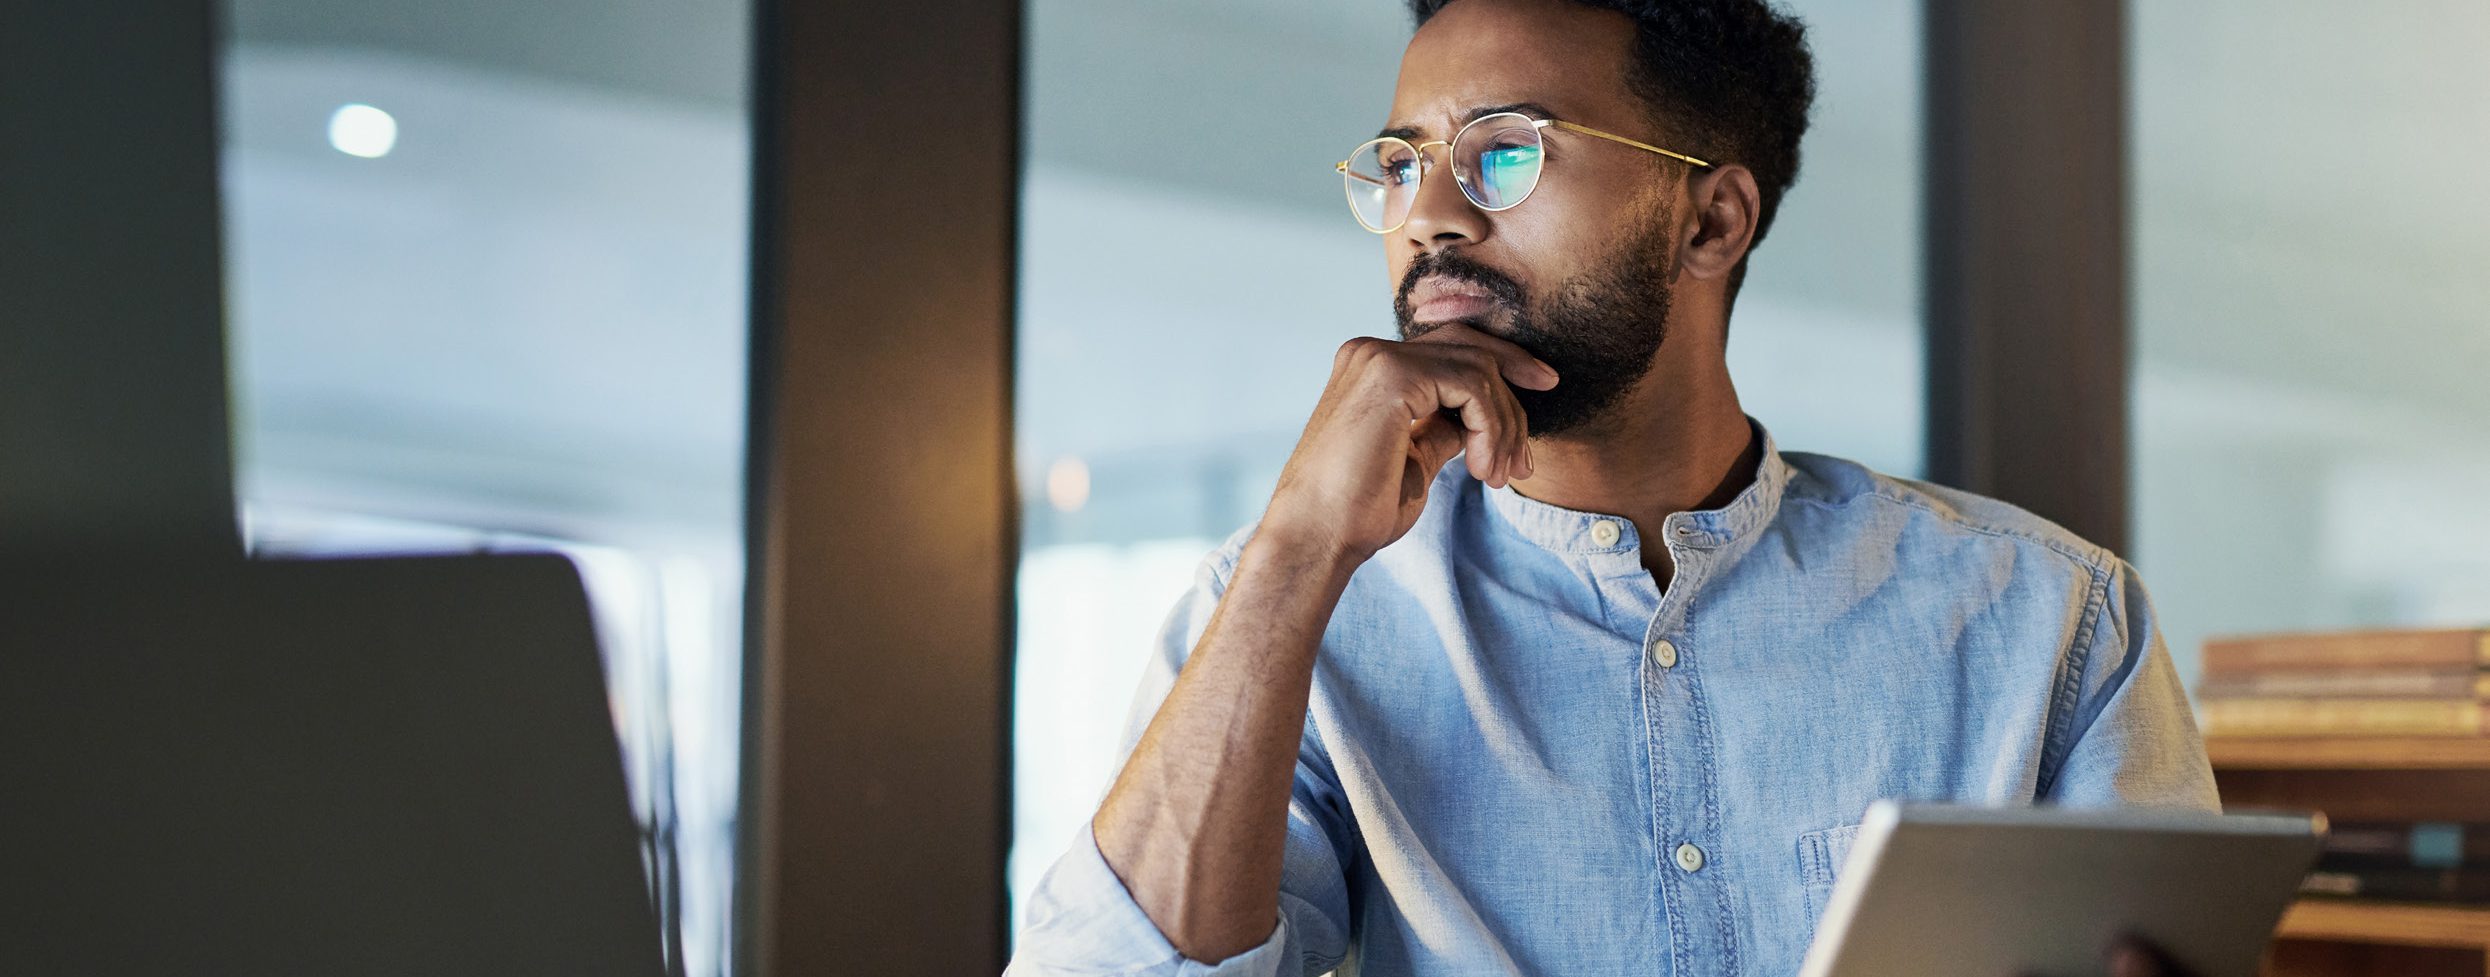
488,273
486,278
2311,427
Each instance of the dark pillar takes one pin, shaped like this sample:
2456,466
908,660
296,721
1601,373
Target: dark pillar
879,710
112,351
2027,257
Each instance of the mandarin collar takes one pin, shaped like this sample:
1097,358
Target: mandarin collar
1573,531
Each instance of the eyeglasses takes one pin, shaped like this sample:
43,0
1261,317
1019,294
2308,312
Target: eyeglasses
1496,159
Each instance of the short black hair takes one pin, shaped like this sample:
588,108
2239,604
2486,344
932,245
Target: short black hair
1733,78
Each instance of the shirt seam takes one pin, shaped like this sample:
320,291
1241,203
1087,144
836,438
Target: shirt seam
1671,908
2091,562
2055,744
1702,709
2067,691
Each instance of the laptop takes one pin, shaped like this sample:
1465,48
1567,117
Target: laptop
387,766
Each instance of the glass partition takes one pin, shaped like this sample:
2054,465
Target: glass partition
486,268
2312,428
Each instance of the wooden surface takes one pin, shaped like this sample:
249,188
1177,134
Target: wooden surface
2349,753
2360,779
2386,922
2329,958
2323,938
2360,795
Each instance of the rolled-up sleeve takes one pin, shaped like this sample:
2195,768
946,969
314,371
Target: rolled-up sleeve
1083,921
2127,736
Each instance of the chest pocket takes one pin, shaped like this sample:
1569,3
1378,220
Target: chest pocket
1820,858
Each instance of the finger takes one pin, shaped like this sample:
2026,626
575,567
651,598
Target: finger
1482,430
1490,356
1514,364
1462,390
1513,427
1510,432
1509,437
1433,441
1462,380
1486,462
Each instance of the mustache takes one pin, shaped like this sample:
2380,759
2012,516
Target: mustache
1457,267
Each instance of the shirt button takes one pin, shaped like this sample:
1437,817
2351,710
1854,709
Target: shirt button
1689,857
1605,532
1664,653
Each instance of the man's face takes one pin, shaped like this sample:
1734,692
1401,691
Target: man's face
1579,273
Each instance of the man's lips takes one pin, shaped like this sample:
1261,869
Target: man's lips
1453,307
1437,299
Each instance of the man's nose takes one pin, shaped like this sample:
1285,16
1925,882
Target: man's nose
1442,217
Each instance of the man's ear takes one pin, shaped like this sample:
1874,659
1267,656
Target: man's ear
1723,212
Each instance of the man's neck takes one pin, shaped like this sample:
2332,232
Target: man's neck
1669,447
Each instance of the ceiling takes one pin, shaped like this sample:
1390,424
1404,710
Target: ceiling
675,50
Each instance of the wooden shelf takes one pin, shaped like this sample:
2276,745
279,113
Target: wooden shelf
2383,778
2403,924
2349,753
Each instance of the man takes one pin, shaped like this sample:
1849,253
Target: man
1610,695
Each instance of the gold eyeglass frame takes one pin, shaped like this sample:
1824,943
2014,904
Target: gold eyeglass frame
1419,150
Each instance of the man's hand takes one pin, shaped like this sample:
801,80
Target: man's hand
1391,416
2133,957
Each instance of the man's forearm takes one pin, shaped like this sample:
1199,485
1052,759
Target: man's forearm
1196,824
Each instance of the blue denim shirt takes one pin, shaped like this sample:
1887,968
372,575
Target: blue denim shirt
1523,757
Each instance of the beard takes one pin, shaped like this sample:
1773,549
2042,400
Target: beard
1600,330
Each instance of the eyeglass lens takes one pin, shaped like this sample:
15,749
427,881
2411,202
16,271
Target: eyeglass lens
1496,160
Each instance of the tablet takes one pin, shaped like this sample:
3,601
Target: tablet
1938,891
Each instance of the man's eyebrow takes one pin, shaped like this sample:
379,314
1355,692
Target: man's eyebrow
1532,109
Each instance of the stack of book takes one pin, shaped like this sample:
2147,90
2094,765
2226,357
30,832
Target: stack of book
2350,683
2414,861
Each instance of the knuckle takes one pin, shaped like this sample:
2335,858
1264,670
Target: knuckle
1456,360
1482,369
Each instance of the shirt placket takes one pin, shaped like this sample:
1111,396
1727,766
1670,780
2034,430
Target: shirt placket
1685,800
